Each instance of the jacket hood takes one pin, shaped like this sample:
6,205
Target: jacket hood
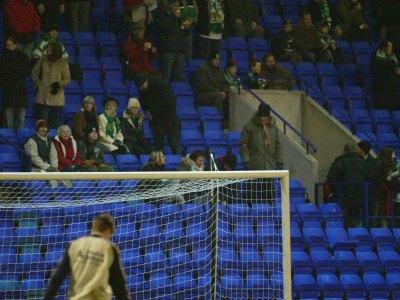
187,162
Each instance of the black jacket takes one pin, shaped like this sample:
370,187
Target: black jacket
283,43
14,67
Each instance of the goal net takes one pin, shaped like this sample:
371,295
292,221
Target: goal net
182,235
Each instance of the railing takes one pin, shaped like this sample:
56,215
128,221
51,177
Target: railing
286,124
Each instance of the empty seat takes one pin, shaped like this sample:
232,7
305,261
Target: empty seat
330,286
301,263
353,286
346,262
376,286
306,286
368,261
390,261
323,262
127,162
383,238
339,240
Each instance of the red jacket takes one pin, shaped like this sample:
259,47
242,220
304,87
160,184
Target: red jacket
20,18
68,153
129,4
138,59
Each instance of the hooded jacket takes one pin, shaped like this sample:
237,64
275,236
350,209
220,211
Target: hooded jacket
188,165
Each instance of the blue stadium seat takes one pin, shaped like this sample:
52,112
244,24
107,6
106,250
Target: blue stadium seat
191,137
155,261
308,212
393,282
159,284
214,137
326,69
390,261
149,233
106,39
301,263
173,234
388,139
368,261
52,233
242,60
305,69
353,286
209,113
323,262
184,286
258,286
8,258
127,162
88,63
147,211
182,89
233,138
297,241
53,257
346,262
180,261
227,260
132,261
125,233
201,258
306,287
383,238
110,63
232,286
315,238
6,233
187,112
330,286
237,43
339,240
30,259
376,286
66,38
331,211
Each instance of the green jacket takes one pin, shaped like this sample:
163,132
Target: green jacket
253,149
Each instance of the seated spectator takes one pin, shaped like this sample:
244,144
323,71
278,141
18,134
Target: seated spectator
332,52
92,152
323,10
211,87
137,12
79,12
277,77
351,20
41,149
156,162
227,162
241,17
283,44
49,11
23,22
307,41
69,157
139,52
86,117
230,73
14,67
159,103
385,71
132,129
40,49
254,79
173,32
193,161
110,128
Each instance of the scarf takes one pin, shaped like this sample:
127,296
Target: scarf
136,126
267,140
325,12
113,125
90,118
216,17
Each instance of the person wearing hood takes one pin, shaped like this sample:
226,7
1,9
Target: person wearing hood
69,157
40,49
14,67
132,128
86,117
193,161
41,150
50,76
260,147
110,128
92,152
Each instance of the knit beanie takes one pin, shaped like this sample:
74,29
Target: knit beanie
41,123
133,102
109,99
364,146
264,110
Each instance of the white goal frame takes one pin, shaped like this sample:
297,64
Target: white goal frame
282,175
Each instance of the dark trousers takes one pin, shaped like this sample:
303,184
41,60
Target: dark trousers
172,133
172,66
206,46
49,113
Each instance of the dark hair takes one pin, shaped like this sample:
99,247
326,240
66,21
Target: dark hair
253,63
386,155
56,49
103,223
11,38
196,154
305,12
385,44
266,55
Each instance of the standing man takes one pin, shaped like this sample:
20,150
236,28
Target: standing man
363,149
95,266
159,103
260,147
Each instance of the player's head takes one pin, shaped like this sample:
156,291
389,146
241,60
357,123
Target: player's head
103,225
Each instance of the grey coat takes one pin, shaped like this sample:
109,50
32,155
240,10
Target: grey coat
253,149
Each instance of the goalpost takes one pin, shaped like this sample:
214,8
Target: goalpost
182,235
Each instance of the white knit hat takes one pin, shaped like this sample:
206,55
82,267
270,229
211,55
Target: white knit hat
133,102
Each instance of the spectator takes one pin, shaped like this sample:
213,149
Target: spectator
351,20
51,75
132,129
138,12
307,41
159,103
260,147
22,22
110,128
49,11
329,48
40,48
283,44
14,67
385,70
230,73
139,52
79,12
227,162
382,173
363,149
241,19
387,14
211,87
323,10
277,77
69,157
193,161
209,28
173,42
86,117
156,162
92,152
352,170
189,11
254,79
41,150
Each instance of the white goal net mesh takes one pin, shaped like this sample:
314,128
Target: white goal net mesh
179,238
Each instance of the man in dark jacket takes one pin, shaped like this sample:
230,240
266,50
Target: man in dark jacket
351,20
159,103
211,87
277,77
241,19
173,42
283,44
363,148
352,170
49,10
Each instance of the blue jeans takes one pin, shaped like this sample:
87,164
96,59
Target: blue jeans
15,117
172,66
